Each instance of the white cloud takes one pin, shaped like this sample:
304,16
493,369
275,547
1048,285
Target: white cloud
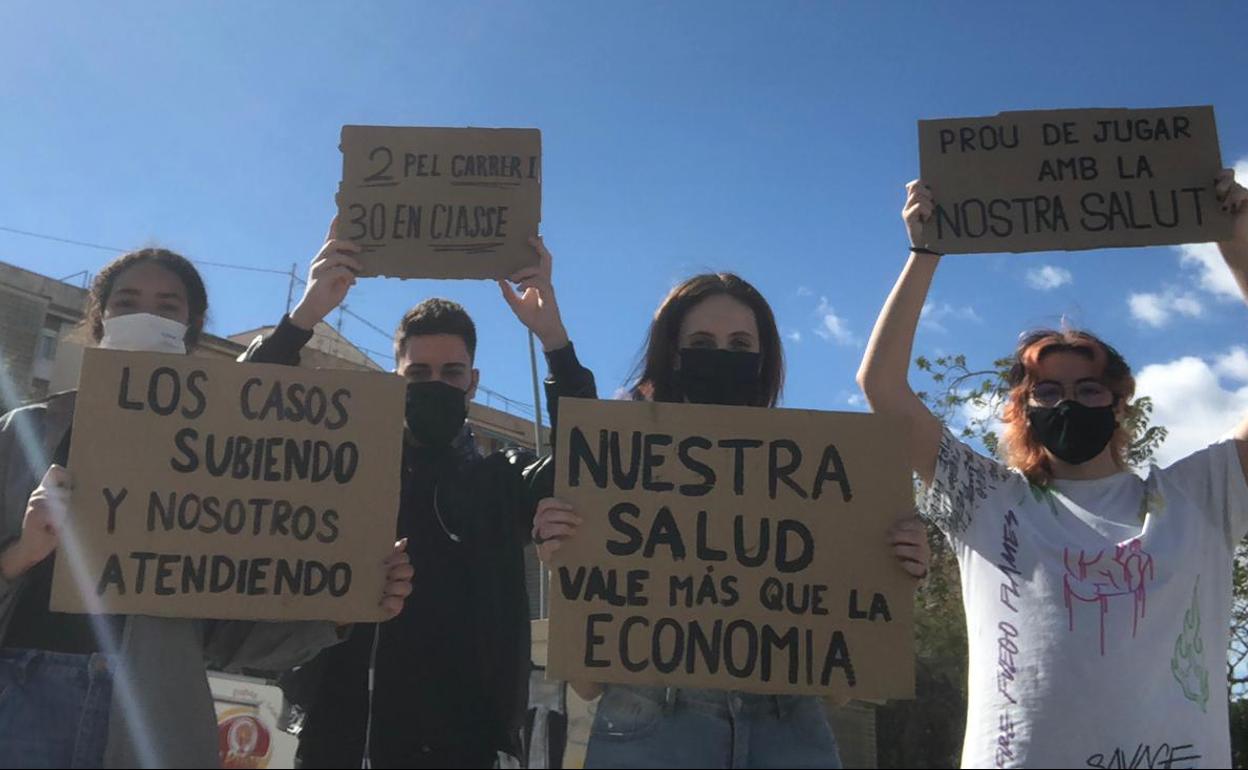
1156,310
794,336
1048,277
803,291
856,400
1188,305
1191,402
934,315
1233,364
831,326
1148,308
1213,275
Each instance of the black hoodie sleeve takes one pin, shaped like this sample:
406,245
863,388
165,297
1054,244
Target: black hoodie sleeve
567,377
281,346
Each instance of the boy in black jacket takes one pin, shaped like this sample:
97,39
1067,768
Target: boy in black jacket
445,684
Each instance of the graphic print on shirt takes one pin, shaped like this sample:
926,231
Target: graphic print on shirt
1188,663
1043,495
1096,578
963,479
1154,503
1165,755
1121,555
1007,639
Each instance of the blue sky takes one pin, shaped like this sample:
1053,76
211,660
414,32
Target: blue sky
769,139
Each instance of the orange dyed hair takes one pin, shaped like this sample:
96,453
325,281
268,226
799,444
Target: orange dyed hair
1022,450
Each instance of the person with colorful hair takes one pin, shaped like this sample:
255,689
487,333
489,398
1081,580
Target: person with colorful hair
1097,601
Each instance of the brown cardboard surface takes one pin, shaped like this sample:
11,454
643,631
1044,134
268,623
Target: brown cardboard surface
1041,180
441,202
859,644
126,448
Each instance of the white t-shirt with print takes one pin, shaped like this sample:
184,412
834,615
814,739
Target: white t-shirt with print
1097,611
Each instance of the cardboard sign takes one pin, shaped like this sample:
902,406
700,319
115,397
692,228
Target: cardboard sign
1072,179
441,202
732,548
213,489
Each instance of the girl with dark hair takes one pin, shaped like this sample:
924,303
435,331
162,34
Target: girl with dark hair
116,691
1097,602
696,365
713,341
147,298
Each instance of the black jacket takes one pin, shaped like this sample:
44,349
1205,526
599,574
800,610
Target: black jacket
452,670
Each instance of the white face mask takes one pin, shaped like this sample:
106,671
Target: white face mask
145,333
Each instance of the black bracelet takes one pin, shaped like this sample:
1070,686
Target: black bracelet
921,250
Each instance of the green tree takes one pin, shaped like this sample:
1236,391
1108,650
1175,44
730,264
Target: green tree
927,732
1239,732
1237,656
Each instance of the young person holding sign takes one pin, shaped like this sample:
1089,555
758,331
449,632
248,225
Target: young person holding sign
117,691
446,684
1096,601
713,341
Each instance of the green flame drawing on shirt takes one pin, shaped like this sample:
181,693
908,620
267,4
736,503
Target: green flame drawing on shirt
1043,494
1154,503
1187,665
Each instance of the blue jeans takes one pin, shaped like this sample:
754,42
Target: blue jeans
658,727
53,708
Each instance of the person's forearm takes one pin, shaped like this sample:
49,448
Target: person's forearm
884,374
1236,255
554,338
13,563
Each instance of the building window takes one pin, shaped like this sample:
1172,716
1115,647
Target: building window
47,346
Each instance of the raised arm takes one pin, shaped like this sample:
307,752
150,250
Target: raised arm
1234,199
330,277
884,373
534,303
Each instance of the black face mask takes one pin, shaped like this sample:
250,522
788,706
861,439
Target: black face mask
435,412
1071,431
727,377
